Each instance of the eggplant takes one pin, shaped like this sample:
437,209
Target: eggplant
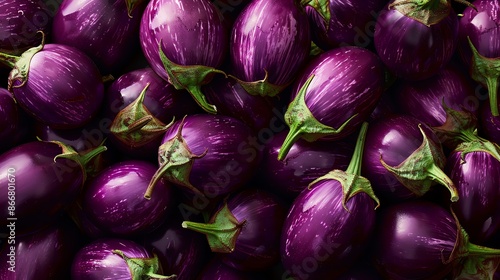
329,223
56,84
419,239
107,31
184,42
472,170
114,199
20,23
479,49
114,258
415,39
15,125
39,180
334,94
245,230
267,50
180,252
44,254
342,23
305,162
207,155
403,158
141,105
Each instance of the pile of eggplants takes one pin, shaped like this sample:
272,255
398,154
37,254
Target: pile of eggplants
249,139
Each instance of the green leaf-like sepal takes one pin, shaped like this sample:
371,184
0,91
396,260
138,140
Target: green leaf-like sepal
427,12
190,78
479,145
303,124
143,268
22,64
422,169
135,126
222,230
176,161
261,87
486,71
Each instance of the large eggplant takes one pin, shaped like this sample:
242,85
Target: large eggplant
334,94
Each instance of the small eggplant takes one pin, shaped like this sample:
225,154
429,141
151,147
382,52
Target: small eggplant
112,258
333,95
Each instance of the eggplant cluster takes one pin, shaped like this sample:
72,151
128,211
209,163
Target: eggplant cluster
249,139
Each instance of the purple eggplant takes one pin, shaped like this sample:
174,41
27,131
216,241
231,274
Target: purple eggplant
180,252
421,240
305,162
472,170
20,22
141,105
233,100
184,43
113,258
267,50
415,39
403,158
207,155
245,230
330,222
217,270
107,31
479,35
57,84
333,96
45,253
341,23
38,180
15,126
114,199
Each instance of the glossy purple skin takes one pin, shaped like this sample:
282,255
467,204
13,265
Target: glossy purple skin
10,121
96,261
489,124
351,23
412,50
423,99
114,200
191,32
348,81
19,22
394,138
217,270
64,88
181,252
101,29
411,240
305,162
232,100
47,252
230,160
318,231
257,245
483,29
477,209
277,41
42,187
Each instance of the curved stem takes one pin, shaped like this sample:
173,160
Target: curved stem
92,154
355,164
9,60
492,84
438,175
292,136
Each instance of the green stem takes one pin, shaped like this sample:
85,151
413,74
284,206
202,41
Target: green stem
200,98
355,164
92,154
291,138
204,228
9,60
492,85
483,251
437,174
140,123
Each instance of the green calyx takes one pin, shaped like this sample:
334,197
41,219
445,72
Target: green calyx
135,126
190,78
422,169
261,87
20,64
486,71
351,180
222,230
479,145
303,124
322,7
143,268
427,12
176,161
83,160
